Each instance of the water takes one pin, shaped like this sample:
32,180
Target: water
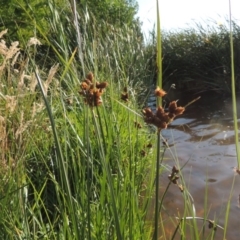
203,139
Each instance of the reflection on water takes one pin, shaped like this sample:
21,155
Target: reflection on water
203,139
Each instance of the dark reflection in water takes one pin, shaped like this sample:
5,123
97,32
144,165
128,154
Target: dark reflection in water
203,139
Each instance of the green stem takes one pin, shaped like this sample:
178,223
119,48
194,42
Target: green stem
88,175
159,55
155,236
234,91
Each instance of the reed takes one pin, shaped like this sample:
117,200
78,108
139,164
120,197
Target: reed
197,58
233,83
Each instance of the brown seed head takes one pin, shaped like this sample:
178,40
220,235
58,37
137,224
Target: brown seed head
137,125
163,125
101,85
159,92
179,111
172,106
175,169
88,82
147,112
159,123
165,118
211,224
173,178
124,96
160,110
149,145
84,86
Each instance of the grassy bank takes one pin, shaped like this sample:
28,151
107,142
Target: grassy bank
75,153
74,162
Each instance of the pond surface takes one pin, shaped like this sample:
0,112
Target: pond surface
202,142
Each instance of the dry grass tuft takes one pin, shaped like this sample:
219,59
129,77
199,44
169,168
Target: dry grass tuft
20,104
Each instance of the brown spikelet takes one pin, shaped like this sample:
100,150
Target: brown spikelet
148,112
172,106
137,125
101,85
143,153
90,76
88,82
166,118
173,177
159,113
84,86
162,125
149,145
160,110
159,92
124,96
179,111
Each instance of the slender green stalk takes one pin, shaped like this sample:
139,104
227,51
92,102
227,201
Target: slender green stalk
159,55
159,103
228,208
155,236
233,89
88,173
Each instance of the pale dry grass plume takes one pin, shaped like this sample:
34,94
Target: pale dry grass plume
18,102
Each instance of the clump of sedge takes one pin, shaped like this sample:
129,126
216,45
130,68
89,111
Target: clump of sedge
92,91
162,118
173,177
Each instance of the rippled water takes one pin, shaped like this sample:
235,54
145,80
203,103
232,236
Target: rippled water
203,139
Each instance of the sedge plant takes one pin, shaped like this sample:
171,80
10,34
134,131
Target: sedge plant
234,102
159,104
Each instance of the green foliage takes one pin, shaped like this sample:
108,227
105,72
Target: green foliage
114,12
14,17
198,59
21,17
81,172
